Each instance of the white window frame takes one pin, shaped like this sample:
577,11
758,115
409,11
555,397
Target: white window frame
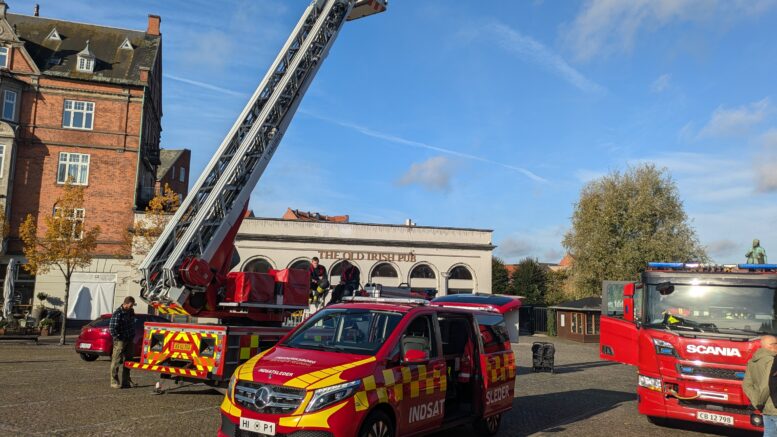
72,106
2,160
65,159
85,64
15,95
78,216
182,174
7,55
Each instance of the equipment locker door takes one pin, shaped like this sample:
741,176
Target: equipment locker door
497,364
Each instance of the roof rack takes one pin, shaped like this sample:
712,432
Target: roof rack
486,308
393,300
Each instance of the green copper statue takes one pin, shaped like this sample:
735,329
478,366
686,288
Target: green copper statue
756,255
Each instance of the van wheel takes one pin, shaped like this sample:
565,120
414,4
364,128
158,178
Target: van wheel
378,424
88,357
488,426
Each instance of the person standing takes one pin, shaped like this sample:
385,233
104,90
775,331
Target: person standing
759,386
122,330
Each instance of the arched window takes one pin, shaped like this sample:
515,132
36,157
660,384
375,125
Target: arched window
257,265
384,270
334,274
422,271
460,272
301,264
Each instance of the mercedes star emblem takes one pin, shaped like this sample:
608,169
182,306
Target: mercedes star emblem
262,397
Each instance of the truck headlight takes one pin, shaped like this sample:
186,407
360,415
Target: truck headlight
326,396
664,347
231,388
650,383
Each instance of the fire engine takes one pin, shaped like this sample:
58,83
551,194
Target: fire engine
187,271
378,367
690,330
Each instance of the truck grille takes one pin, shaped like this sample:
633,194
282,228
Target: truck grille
711,372
269,399
719,408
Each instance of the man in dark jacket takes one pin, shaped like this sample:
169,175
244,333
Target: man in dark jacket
318,282
756,385
122,329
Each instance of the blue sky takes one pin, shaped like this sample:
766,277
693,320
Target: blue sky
456,114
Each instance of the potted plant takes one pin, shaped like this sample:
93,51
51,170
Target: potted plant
38,310
45,326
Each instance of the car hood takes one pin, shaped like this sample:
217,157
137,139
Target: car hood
303,368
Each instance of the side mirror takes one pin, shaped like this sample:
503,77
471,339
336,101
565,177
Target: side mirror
628,302
415,357
665,288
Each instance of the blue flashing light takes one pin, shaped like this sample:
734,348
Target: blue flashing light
655,265
758,266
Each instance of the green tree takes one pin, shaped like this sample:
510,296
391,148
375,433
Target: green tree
530,280
63,242
556,287
624,220
500,279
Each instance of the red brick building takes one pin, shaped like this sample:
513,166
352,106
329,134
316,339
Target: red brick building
79,101
174,171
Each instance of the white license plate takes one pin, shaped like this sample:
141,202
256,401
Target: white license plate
260,426
85,345
715,418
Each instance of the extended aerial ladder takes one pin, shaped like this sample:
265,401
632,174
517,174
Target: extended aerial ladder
186,268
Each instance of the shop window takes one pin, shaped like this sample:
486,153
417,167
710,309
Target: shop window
592,324
384,270
422,271
301,264
578,323
460,272
257,265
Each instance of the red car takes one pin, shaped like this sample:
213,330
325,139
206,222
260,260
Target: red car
95,340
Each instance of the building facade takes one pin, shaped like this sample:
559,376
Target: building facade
83,103
448,260
174,171
578,320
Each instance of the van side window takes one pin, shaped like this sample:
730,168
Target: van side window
419,335
493,331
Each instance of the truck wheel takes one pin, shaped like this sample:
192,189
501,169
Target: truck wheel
378,424
488,426
88,357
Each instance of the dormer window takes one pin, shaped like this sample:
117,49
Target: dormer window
126,45
86,60
54,35
3,57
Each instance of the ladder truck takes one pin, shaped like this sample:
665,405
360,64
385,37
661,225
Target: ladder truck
187,271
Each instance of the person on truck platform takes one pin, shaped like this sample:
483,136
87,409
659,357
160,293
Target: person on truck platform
349,282
122,330
760,383
318,281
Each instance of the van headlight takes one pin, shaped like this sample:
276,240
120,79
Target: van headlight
231,387
326,396
650,383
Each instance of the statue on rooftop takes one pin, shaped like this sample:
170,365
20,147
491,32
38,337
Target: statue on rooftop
756,255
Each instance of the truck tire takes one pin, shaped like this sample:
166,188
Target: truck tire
378,424
488,426
88,357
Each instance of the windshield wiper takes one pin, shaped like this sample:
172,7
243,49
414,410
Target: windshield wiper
746,331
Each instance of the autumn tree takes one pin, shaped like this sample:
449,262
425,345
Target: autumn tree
624,220
530,280
62,242
147,229
500,279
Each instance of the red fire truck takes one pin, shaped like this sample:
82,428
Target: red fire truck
690,330
187,271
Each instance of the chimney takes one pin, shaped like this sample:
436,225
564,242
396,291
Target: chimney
144,74
3,9
153,25
36,10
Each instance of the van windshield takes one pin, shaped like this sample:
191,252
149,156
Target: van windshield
344,330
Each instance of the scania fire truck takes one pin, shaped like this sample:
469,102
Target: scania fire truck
690,330
187,271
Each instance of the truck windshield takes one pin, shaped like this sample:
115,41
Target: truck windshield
341,330
712,308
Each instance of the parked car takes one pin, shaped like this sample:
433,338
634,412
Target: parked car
95,340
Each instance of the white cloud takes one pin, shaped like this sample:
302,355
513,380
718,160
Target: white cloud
406,142
434,174
531,50
204,85
766,163
719,248
612,26
514,248
661,84
211,49
735,121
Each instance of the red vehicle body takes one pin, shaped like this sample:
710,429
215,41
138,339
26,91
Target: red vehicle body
484,301
95,339
407,368
690,332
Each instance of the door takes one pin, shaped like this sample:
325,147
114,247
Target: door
618,340
423,404
497,365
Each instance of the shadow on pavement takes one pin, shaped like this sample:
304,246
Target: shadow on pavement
552,411
569,368
702,428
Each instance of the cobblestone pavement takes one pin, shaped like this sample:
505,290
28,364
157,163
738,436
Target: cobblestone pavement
48,390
